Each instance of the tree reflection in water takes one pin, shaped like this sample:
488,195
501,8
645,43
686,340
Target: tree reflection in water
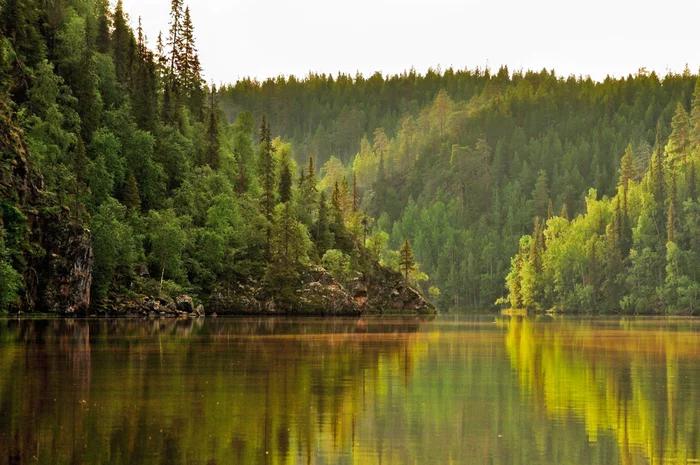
266,390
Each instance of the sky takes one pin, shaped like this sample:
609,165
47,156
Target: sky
268,38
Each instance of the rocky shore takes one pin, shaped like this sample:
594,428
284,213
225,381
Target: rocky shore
319,294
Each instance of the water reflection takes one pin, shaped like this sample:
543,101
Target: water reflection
636,380
312,391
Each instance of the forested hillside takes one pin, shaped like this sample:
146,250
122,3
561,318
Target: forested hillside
637,251
463,162
183,188
125,148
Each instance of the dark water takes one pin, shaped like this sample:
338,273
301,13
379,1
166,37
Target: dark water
483,391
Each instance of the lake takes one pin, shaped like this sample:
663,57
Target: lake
481,390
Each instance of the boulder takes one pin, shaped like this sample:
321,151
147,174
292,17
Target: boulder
199,310
184,303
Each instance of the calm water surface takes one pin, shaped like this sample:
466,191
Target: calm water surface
491,390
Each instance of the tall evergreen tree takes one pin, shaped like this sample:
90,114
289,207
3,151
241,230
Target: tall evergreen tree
679,141
285,182
672,219
104,24
355,195
406,259
212,136
121,44
322,233
627,172
132,199
266,171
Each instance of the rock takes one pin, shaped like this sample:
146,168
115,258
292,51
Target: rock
199,310
240,299
321,294
184,303
58,251
381,291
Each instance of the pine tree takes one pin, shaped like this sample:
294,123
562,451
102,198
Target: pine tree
121,44
564,212
212,155
536,249
345,199
355,197
190,68
175,40
695,117
627,171
145,88
103,26
671,216
266,170
285,183
336,198
657,171
172,88
406,260
679,141
540,195
132,199
692,195
322,233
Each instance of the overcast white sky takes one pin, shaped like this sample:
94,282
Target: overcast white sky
264,38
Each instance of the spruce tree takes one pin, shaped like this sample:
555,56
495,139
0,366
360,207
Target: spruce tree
212,155
695,117
355,198
672,219
121,44
657,172
627,171
285,183
679,141
323,237
104,24
540,195
406,260
692,195
266,171
132,199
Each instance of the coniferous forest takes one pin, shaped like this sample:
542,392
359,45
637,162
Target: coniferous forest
557,192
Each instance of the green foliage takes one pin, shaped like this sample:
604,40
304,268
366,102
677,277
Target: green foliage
113,247
10,282
337,264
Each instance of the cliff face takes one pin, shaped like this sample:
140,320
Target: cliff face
55,258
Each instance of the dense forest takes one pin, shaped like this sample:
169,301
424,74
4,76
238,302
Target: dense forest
183,187
132,147
636,251
463,162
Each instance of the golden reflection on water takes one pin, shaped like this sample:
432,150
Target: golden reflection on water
348,391
635,380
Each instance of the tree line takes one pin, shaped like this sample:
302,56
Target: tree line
635,251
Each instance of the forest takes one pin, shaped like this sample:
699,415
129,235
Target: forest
133,148
467,164
445,176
